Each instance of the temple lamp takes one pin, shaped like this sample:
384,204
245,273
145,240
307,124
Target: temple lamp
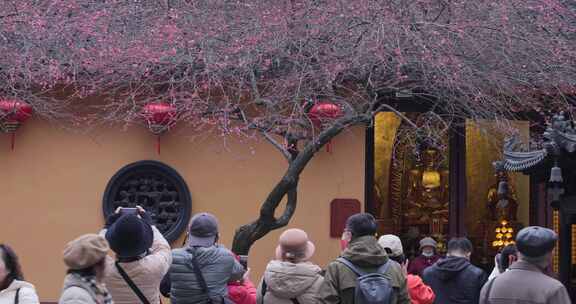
555,186
430,177
502,194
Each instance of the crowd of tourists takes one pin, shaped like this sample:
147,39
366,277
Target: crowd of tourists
368,270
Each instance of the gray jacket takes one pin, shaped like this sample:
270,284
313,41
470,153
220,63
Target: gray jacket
218,267
524,283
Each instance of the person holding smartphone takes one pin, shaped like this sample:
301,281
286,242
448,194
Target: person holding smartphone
202,268
143,257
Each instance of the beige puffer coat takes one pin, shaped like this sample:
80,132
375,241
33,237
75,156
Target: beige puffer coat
146,273
287,281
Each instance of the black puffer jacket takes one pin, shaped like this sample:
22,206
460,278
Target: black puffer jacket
455,281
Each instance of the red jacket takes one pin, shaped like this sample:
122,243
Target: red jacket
420,263
420,293
242,293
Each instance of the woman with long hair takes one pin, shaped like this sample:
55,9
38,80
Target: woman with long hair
13,288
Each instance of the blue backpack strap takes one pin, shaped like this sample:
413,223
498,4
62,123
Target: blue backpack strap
384,267
352,267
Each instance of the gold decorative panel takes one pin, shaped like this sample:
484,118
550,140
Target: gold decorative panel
573,249
483,147
556,227
385,127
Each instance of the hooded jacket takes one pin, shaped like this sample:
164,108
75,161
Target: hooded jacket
285,281
455,281
364,252
419,292
420,263
26,293
242,292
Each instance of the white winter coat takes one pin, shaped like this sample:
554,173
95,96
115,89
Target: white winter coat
287,281
27,293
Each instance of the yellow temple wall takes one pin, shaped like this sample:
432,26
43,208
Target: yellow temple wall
52,187
484,146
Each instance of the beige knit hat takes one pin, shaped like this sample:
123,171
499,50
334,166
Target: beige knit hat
85,251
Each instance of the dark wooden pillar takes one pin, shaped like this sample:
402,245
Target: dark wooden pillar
457,153
540,211
567,219
565,250
369,177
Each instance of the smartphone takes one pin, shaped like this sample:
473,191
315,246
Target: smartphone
129,211
244,261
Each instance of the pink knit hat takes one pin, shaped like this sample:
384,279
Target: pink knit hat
294,245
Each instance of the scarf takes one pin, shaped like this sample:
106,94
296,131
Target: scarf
95,287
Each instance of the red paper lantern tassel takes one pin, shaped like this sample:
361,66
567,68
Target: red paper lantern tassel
329,146
158,144
13,141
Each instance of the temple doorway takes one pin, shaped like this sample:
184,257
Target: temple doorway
419,190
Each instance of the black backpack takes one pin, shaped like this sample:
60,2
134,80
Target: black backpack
371,287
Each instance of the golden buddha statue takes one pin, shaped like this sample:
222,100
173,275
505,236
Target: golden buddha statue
427,194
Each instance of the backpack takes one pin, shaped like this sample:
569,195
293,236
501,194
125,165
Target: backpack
371,287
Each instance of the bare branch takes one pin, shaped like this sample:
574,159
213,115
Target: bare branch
277,145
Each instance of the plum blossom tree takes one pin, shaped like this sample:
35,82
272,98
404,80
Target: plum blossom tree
254,68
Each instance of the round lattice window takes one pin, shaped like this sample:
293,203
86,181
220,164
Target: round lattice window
156,187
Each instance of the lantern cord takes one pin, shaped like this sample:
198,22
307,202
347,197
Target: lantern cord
158,144
13,141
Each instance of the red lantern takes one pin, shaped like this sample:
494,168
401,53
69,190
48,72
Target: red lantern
322,112
160,117
13,113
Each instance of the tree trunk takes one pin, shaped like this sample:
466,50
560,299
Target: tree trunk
246,235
